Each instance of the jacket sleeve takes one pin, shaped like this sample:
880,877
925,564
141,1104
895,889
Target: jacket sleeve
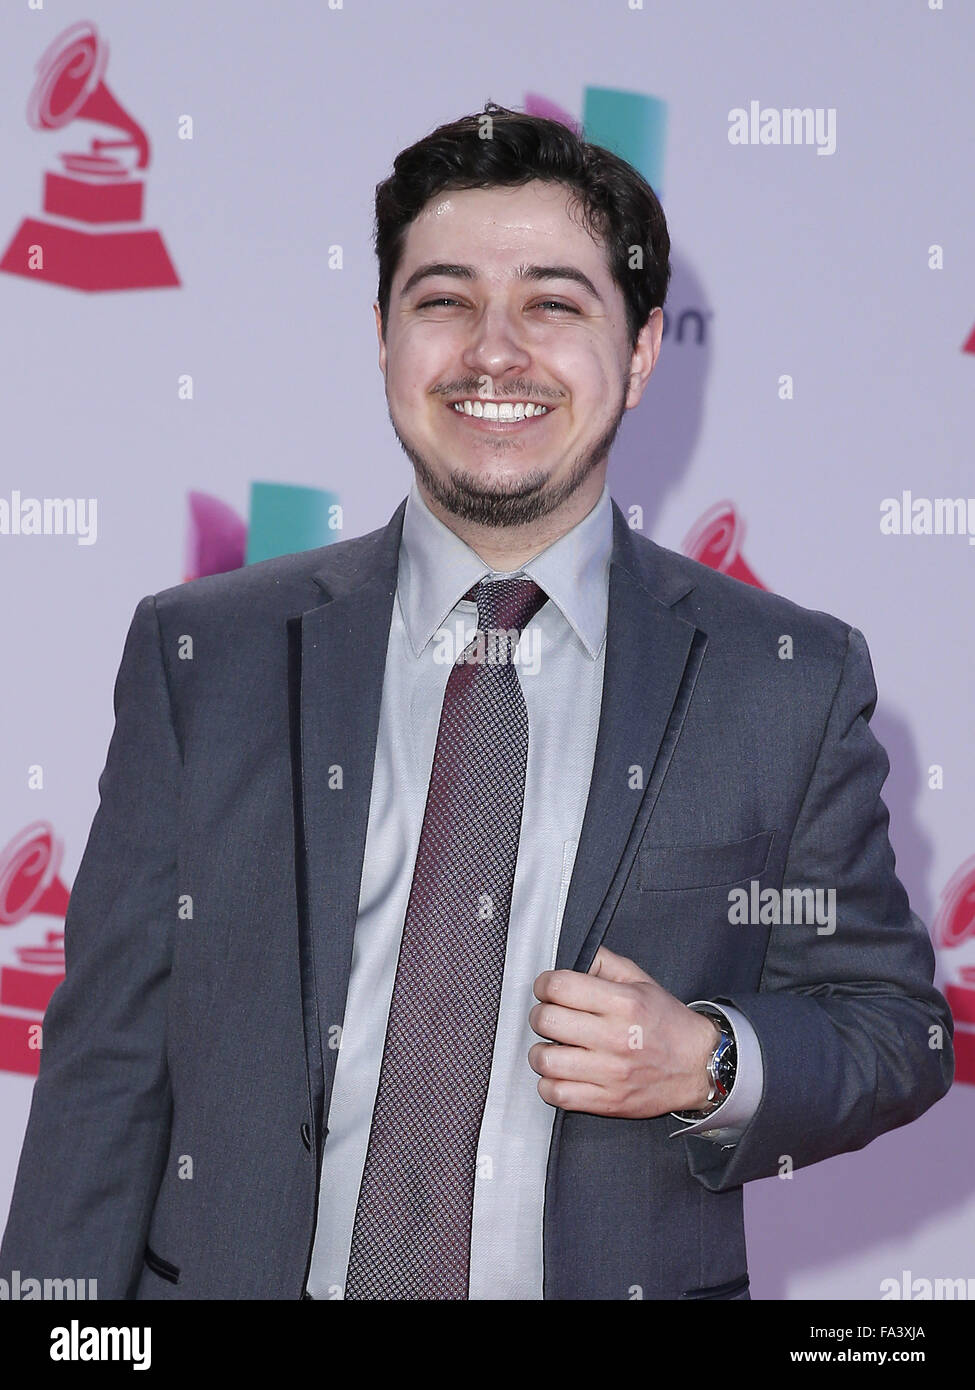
98,1130
855,1039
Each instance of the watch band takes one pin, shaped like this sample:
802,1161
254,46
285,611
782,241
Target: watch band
721,1068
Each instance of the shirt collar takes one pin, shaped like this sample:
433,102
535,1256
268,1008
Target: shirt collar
436,568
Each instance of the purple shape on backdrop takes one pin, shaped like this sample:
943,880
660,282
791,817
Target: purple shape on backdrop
536,105
217,537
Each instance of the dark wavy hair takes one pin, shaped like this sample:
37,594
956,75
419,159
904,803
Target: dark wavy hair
618,205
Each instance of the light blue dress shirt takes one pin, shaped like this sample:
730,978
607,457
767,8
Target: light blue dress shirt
560,660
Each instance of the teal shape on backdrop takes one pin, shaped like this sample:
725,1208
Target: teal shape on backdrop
285,518
632,125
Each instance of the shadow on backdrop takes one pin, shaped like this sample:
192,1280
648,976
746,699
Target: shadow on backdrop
836,1210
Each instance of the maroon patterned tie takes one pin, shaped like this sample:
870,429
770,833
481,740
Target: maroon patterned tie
412,1233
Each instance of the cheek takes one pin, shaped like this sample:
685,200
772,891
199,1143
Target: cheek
421,361
588,374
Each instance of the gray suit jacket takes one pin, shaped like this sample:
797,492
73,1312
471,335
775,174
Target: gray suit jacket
177,1124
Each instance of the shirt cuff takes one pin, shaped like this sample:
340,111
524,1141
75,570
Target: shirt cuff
727,1123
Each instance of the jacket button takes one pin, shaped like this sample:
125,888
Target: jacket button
306,1136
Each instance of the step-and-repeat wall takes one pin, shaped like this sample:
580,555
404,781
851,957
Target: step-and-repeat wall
189,382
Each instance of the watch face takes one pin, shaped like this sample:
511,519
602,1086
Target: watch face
725,1062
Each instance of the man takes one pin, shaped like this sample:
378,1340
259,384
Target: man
415,950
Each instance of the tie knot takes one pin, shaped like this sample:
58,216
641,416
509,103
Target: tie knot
503,604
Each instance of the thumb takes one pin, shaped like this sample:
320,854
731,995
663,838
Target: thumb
609,966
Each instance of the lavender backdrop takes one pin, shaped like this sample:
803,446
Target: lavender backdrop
824,267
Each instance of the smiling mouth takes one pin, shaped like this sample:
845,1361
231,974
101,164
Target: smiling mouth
499,416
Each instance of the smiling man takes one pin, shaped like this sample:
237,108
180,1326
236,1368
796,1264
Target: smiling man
460,1008
509,365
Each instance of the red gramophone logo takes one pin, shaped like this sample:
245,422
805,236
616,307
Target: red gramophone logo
29,884
954,926
97,189
715,540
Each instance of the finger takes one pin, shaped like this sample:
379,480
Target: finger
607,965
576,1027
575,1095
562,1063
574,990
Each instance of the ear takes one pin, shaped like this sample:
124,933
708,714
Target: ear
379,335
645,356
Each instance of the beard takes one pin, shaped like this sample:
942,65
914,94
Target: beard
516,503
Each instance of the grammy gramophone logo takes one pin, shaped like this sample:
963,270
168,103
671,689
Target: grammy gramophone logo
32,966
90,236
715,540
954,930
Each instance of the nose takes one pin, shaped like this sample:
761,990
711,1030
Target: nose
496,344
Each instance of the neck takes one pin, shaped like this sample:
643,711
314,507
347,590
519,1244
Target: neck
507,548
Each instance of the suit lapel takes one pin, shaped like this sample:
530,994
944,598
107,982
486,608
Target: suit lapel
337,658
652,661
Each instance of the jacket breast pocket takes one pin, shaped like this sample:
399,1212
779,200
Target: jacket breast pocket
672,868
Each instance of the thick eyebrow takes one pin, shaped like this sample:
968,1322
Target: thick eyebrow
525,272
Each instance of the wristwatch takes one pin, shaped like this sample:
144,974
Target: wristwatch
721,1067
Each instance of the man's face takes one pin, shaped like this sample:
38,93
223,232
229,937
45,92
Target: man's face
481,330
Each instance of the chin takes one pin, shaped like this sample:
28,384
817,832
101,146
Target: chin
492,482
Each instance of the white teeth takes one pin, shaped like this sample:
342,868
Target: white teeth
506,410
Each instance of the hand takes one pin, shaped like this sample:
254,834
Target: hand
620,1044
